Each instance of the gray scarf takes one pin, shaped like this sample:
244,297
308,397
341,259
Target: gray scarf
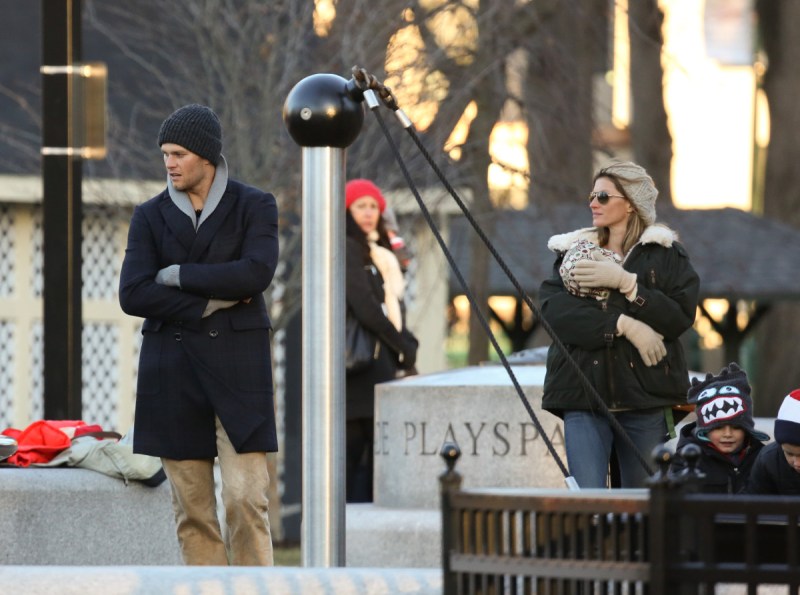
184,203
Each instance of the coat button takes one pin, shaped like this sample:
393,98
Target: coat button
177,336
213,333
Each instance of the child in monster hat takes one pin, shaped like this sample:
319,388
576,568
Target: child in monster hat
725,432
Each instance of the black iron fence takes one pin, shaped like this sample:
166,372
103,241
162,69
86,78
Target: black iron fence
665,540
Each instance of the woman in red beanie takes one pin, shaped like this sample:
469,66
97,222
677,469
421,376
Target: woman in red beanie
374,289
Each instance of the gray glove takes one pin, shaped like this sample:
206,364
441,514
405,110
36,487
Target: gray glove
214,305
603,273
170,276
649,343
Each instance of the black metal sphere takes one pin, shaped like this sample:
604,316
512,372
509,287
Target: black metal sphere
450,452
691,453
662,455
320,112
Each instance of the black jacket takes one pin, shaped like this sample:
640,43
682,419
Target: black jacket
667,301
722,475
364,291
772,474
193,369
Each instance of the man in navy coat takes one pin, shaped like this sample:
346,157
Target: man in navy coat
200,255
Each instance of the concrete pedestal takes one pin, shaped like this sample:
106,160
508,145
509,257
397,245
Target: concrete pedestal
478,409
71,516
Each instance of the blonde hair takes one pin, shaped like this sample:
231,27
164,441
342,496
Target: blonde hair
636,224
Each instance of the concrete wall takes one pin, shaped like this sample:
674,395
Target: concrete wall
71,516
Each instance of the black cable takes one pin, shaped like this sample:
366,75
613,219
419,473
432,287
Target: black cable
473,302
618,429
366,81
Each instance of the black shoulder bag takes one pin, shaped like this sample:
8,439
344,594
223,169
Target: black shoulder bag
361,346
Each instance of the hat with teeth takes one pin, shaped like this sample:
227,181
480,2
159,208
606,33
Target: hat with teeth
722,400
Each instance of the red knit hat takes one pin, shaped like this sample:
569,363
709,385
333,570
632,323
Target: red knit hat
360,188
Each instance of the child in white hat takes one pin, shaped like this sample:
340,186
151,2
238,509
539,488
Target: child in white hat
777,468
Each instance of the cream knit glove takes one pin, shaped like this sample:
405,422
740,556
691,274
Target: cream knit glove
649,343
603,273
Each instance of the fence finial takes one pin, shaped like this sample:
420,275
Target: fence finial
450,453
662,457
692,473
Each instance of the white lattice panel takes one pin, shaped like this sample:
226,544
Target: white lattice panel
100,356
100,252
37,372
37,253
6,374
106,400
7,251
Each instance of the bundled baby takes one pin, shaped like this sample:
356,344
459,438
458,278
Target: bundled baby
585,250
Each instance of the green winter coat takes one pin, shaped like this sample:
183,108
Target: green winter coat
666,300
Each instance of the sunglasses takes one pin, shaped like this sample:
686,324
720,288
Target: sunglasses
602,197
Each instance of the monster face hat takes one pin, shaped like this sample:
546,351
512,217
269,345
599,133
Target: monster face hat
723,399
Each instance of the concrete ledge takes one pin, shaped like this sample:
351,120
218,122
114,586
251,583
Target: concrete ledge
143,580
391,538
72,516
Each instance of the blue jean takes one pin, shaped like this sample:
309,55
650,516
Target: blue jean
589,439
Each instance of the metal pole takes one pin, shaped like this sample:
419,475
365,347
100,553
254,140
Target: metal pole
323,114
323,526
61,180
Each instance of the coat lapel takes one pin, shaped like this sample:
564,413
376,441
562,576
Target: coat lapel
210,226
178,223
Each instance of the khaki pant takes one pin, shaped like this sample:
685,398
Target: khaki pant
245,481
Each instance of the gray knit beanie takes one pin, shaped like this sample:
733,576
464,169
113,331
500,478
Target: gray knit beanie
637,185
196,128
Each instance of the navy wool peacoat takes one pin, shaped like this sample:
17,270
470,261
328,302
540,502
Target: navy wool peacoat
193,369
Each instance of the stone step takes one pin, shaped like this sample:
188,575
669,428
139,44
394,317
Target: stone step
169,580
380,537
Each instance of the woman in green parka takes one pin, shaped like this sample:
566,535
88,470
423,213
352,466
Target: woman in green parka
621,295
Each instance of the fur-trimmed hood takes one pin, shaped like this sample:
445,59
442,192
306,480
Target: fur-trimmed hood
654,234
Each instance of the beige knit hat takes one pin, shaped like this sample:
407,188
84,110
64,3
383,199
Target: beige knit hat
637,185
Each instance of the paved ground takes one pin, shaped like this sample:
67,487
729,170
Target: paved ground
182,580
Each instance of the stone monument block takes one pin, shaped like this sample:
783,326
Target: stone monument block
478,409
67,516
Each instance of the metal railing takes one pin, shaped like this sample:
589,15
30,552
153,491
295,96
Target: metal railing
665,540
699,541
